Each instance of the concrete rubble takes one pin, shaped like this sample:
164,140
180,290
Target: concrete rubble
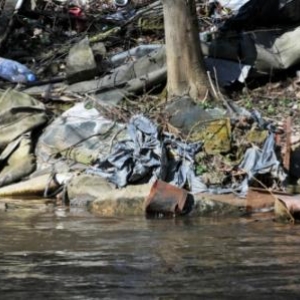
98,133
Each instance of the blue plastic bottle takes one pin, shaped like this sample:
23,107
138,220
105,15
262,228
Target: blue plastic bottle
13,71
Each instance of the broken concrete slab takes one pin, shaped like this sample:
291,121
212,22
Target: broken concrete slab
19,113
215,135
185,114
88,187
19,164
130,77
130,201
35,186
80,63
125,201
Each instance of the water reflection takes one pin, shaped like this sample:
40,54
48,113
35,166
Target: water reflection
65,255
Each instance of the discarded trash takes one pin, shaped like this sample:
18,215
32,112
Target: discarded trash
122,15
233,5
191,149
133,54
262,161
15,72
147,156
255,13
134,160
167,200
121,3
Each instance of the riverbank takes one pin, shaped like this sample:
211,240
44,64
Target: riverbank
100,135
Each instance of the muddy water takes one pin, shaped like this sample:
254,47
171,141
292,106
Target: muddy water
75,255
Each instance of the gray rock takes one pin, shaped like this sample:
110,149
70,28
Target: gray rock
132,77
20,163
19,113
208,207
185,113
128,201
131,201
99,50
80,63
84,188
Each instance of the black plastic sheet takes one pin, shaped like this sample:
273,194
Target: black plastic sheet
147,156
257,13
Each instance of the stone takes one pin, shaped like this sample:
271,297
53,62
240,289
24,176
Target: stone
19,113
256,136
32,187
25,207
132,77
215,134
185,114
99,50
130,201
8,8
86,187
20,163
207,206
80,63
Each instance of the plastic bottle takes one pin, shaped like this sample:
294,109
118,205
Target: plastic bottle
121,3
13,71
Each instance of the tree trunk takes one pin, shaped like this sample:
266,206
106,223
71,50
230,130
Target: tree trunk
186,70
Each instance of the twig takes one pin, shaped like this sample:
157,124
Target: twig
212,86
47,81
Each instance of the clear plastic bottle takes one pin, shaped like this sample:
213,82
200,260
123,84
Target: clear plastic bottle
13,71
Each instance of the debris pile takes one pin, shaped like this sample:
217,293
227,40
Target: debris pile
86,96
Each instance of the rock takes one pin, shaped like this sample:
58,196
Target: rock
256,136
215,134
131,201
8,8
19,163
99,50
111,98
34,186
128,201
30,206
185,114
19,113
86,187
206,206
132,77
80,63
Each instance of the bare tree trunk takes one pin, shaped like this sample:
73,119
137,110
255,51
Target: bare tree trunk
186,70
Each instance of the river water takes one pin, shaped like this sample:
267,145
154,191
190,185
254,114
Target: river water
76,255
